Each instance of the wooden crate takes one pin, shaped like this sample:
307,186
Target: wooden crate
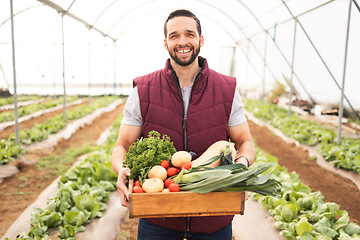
184,204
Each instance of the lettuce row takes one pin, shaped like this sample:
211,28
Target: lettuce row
304,131
20,98
9,148
301,213
82,196
346,155
26,110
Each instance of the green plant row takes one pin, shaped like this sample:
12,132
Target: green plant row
22,98
10,150
304,131
300,213
82,196
346,155
26,110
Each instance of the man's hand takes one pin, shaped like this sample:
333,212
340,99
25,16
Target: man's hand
122,189
127,135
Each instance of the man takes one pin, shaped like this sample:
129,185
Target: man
195,106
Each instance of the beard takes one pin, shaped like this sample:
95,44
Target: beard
195,53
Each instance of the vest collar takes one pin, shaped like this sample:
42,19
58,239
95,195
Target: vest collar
172,78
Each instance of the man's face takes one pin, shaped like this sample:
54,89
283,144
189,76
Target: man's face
183,41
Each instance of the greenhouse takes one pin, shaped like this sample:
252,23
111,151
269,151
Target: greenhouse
69,67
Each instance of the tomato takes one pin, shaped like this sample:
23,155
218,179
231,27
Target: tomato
165,164
186,166
168,181
137,189
174,187
137,183
172,171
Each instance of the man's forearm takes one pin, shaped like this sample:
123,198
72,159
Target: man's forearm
117,158
246,149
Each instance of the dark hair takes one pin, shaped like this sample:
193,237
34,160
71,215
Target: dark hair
182,13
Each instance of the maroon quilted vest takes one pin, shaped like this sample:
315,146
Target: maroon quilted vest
209,110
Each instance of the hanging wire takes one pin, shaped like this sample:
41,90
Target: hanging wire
70,6
357,5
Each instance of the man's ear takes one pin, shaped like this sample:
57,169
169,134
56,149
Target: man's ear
201,40
165,44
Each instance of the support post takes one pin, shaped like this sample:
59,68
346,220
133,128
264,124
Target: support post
14,74
63,72
264,70
114,85
54,68
105,75
292,68
341,112
89,66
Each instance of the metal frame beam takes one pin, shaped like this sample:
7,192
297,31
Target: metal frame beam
64,12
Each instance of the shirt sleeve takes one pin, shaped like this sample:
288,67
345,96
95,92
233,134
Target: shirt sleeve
237,115
132,113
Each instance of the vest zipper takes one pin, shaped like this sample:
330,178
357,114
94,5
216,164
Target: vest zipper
188,233
185,132
184,126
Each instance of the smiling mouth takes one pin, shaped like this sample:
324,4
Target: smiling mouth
183,50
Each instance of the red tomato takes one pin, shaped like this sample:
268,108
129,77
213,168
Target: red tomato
174,187
168,181
172,171
137,189
165,164
186,166
137,183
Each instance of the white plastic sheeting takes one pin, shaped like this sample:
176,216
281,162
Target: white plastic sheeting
113,41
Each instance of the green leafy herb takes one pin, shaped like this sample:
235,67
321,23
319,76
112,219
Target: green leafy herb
146,153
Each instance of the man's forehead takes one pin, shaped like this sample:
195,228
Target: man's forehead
181,24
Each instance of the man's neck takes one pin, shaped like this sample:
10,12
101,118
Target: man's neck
186,74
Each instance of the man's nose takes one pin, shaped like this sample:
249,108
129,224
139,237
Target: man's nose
183,40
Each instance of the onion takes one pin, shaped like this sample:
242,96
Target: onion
180,157
153,185
158,172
